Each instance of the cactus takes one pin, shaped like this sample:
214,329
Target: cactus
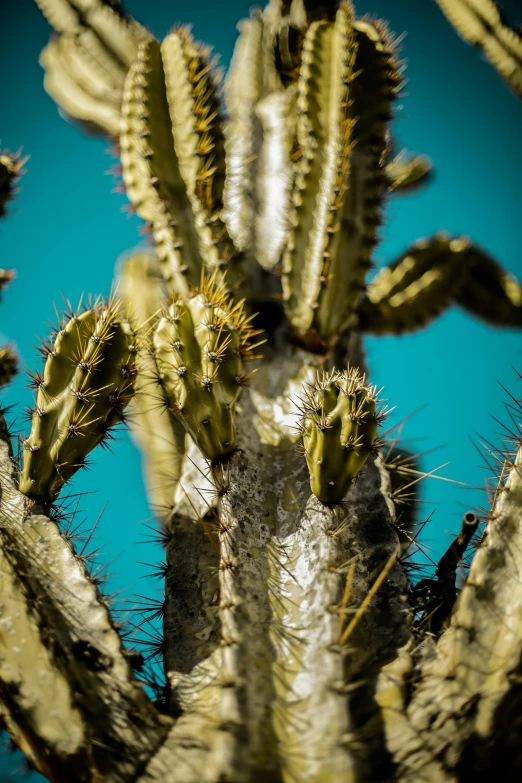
200,345
481,23
293,647
339,429
86,383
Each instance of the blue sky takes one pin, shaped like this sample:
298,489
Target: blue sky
67,229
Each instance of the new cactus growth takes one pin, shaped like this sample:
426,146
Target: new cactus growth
200,345
86,384
293,648
339,431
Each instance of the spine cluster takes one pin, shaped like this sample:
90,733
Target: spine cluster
201,344
339,431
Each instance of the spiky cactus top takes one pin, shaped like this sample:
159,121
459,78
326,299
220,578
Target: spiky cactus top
287,639
86,383
201,343
339,430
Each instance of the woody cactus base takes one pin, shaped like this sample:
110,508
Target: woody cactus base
293,647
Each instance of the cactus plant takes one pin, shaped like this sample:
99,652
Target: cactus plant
292,645
86,383
481,23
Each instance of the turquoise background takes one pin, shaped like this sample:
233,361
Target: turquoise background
66,230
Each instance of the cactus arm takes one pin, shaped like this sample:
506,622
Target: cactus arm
117,31
243,89
151,170
87,61
259,136
416,287
274,176
195,113
465,711
86,383
158,432
481,24
171,166
338,185
432,275
80,712
72,99
407,172
488,291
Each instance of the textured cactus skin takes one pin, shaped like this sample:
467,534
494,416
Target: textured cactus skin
87,381
87,61
339,430
159,432
341,142
482,24
199,344
293,649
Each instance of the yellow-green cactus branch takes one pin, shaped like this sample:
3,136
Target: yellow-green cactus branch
87,60
407,172
475,660
200,344
433,274
489,291
171,147
482,24
86,384
339,431
193,95
158,432
61,657
347,82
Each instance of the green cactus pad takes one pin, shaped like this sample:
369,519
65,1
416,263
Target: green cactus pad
339,431
86,383
201,343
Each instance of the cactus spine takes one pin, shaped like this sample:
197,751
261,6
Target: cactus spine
293,648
